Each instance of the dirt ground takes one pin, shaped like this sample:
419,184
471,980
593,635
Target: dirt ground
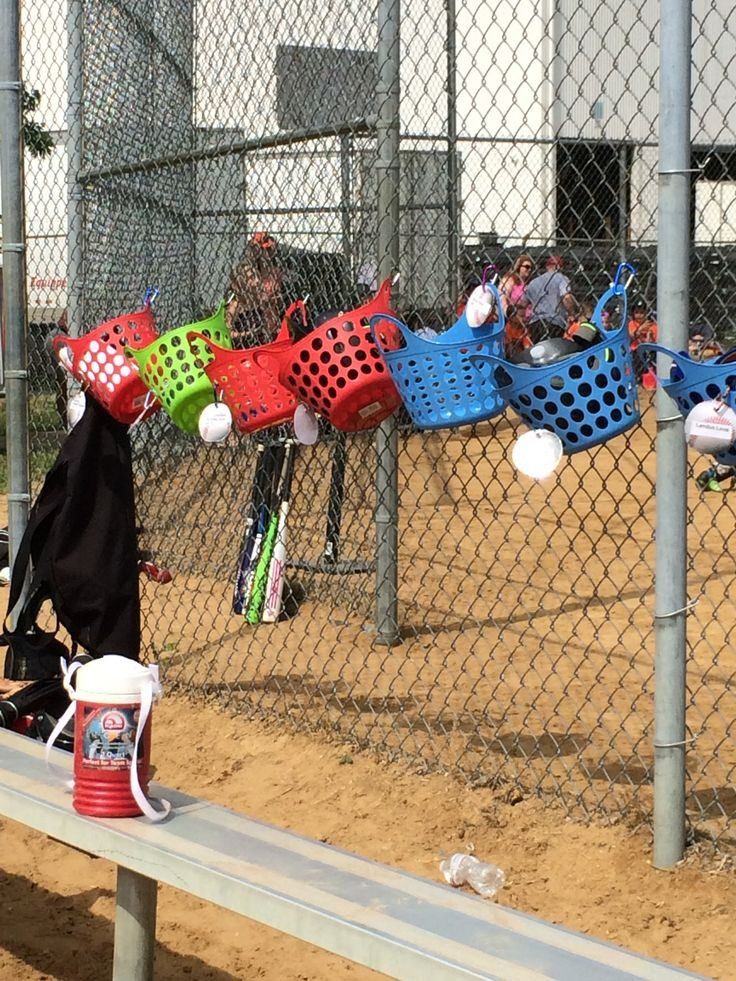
526,666
526,615
56,904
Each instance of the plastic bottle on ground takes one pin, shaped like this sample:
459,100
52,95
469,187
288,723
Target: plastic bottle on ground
486,879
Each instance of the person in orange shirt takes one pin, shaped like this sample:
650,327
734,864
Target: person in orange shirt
642,329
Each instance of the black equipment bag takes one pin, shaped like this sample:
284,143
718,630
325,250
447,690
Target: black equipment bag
81,543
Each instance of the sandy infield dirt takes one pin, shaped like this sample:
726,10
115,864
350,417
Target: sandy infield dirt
56,904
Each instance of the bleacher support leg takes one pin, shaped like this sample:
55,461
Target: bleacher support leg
135,927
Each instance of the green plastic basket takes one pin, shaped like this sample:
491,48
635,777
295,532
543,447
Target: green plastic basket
173,369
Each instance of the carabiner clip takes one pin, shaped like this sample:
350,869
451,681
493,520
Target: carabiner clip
490,268
150,296
617,278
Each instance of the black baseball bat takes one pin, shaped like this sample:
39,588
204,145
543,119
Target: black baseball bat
336,497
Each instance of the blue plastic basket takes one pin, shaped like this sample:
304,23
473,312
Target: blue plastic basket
586,399
434,376
691,382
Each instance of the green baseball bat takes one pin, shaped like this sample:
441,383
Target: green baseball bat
260,579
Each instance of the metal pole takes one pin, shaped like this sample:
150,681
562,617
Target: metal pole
388,130
135,927
453,209
673,250
623,201
74,156
346,205
549,106
14,273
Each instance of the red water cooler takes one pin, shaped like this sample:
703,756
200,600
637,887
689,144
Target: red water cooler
113,698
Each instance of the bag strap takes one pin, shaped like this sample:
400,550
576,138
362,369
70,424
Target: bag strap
38,591
27,616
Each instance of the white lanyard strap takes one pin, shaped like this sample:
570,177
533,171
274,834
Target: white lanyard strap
56,772
147,403
147,691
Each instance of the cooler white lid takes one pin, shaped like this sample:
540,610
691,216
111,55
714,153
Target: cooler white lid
110,675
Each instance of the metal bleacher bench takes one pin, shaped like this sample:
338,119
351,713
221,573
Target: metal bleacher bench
393,922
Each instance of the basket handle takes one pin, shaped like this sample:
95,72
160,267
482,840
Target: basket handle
268,361
408,335
681,360
384,291
195,335
284,333
516,374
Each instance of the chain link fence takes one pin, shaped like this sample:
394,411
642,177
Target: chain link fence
524,616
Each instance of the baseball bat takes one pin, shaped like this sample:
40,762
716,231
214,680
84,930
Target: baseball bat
258,591
335,499
268,509
251,522
277,565
261,479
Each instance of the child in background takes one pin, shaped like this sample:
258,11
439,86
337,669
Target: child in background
642,329
583,331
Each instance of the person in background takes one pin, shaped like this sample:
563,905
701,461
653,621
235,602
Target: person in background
713,478
703,343
552,306
254,310
583,331
642,328
513,293
61,379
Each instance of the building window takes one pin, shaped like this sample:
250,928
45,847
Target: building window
713,201
592,190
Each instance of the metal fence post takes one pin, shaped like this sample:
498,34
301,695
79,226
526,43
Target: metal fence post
75,196
453,176
673,239
14,273
388,107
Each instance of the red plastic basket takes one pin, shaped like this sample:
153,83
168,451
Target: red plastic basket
97,360
338,370
254,395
